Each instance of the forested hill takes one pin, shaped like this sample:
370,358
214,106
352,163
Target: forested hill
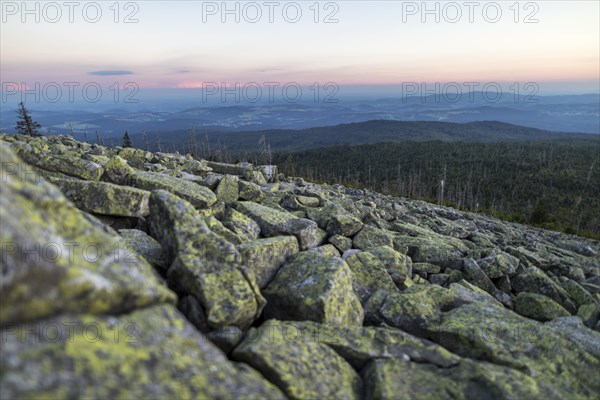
553,184
376,131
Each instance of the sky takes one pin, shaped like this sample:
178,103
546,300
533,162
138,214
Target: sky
190,44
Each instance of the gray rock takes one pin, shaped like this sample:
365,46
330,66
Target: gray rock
301,369
227,191
478,276
131,355
370,236
265,256
273,222
291,294
146,246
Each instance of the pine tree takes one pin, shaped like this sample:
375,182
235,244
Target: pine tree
25,125
127,140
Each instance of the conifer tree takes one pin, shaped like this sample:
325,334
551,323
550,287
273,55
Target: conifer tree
127,140
26,125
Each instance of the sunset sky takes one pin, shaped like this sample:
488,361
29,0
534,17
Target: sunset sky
372,43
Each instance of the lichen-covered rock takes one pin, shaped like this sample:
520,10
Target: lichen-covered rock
499,264
529,258
574,330
227,191
340,242
274,223
217,227
217,210
321,215
589,314
69,164
358,345
485,332
223,168
534,280
412,309
301,369
591,287
370,236
151,352
227,292
135,157
246,228
308,201
432,250
344,224
265,256
503,284
368,275
426,268
403,379
250,191
397,265
145,246
327,250
411,273
98,159
255,177
196,167
198,196
56,259
118,171
211,181
315,288
105,198
479,278
578,294
538,307
226,338
204,264
193,311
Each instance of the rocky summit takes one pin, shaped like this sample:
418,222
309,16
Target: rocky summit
131,274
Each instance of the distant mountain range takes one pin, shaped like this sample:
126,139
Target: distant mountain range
567,113
369,132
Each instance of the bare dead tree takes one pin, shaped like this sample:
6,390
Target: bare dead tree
146,145
265,150
158,145
192,147
206,147
99,139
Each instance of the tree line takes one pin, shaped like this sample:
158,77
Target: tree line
552,184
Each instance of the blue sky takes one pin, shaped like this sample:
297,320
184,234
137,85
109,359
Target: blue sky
184,44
